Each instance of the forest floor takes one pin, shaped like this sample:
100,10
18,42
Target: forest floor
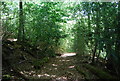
20,64
61,68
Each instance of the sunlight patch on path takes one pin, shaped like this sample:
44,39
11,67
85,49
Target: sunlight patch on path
59,69
68,54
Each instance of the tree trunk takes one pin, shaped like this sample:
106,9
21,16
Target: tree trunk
94,53
117,49
97,34
21,23
117,46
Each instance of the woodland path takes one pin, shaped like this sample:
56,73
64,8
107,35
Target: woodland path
61,68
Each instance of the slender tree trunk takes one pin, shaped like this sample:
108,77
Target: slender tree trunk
117,46
117,49
21,23
98,56
89,27
97,34
94,53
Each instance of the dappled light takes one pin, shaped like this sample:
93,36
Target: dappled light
71,66
55,68
62,78
64,60
46,75
60,41
54,65
68,54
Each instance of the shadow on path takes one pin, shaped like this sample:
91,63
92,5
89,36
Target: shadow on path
61,68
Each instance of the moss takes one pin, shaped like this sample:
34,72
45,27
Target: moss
6,76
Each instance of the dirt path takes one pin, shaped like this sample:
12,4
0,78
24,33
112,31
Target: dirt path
60,69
